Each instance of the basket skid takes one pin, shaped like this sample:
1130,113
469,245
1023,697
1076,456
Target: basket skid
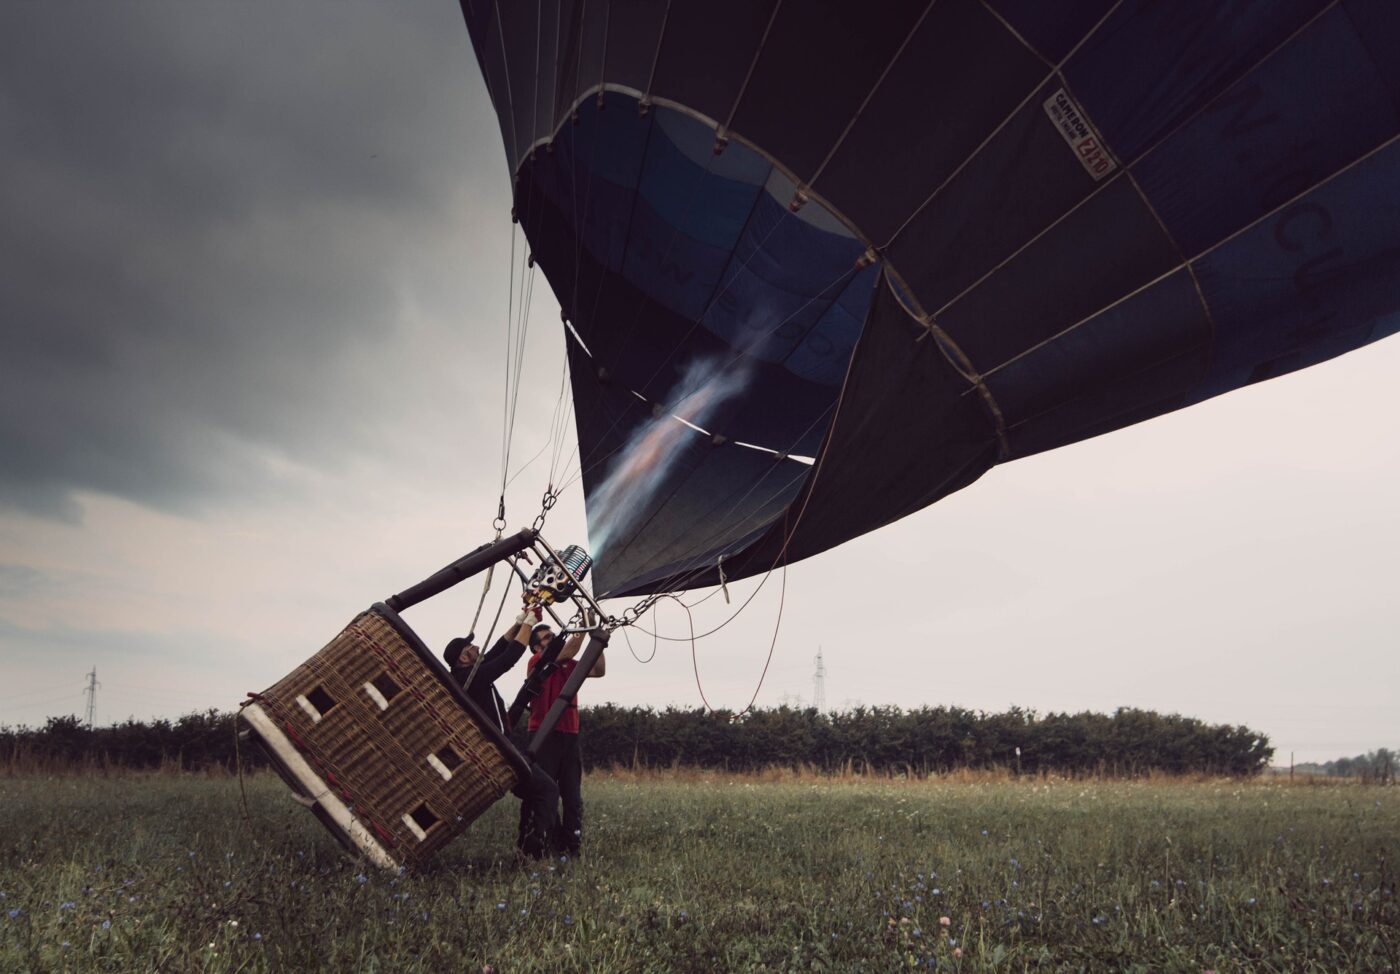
304,778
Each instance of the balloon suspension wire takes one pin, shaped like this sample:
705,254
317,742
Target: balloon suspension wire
516,360
505,388
655,644
558,424
490,636
772,646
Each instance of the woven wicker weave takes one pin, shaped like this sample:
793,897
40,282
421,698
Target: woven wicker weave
373,748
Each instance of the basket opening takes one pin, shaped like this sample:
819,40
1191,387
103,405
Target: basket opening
420,821
450,758
382,689
386,685
317,703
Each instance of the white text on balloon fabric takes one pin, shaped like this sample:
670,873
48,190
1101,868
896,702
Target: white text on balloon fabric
1079,134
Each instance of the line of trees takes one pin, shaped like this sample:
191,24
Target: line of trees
1373,767
879,740
923,741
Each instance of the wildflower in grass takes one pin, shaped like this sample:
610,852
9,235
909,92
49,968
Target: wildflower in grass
233,923
957,952
944,921
65,945
500,906
361,879
67,906
15,912
106,924
257,936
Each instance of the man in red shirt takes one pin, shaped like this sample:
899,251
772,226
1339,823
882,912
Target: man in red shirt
560,756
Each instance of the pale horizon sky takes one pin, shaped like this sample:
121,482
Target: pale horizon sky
254,317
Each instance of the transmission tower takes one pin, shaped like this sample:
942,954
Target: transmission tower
819,684
91,691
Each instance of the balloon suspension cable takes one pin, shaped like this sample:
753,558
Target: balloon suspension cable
490,637
772,646
655,644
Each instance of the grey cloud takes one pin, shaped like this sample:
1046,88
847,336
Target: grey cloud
207,216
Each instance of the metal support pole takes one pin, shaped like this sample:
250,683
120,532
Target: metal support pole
461,569
530,689
596,644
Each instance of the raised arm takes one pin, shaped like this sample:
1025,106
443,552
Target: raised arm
570,650
508,649
571,645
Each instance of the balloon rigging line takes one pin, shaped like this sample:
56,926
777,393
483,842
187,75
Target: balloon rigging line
1188,262
772,646
517,356
996,131
510,318
654,645
505,61
1125,166
551,443
841,139
490,635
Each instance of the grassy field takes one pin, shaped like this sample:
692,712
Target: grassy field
156,872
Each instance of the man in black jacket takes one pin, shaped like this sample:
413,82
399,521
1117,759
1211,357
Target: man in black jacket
480,686
540,792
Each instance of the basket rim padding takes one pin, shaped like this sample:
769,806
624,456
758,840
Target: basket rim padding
519,763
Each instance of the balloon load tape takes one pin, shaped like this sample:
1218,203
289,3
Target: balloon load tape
551,583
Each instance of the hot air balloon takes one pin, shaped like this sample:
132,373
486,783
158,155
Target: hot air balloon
825,263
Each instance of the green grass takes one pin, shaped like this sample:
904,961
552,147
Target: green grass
141,873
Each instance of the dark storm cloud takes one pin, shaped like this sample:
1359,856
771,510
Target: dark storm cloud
206,214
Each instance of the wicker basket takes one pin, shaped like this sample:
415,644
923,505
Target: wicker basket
384,747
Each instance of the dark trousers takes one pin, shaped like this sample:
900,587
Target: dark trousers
542,830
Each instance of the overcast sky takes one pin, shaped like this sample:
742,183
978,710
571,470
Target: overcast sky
253,310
